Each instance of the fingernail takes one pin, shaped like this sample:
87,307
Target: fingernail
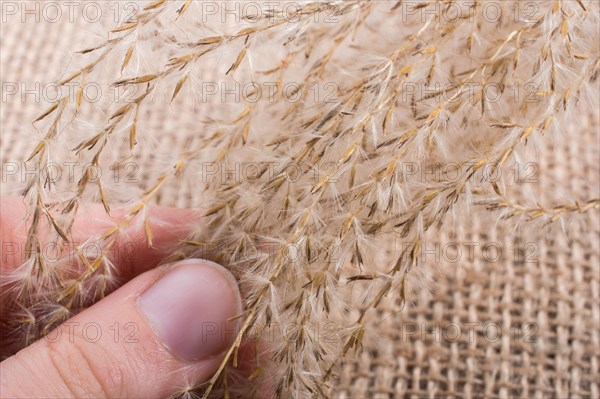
189,307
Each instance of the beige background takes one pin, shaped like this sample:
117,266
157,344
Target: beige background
559,292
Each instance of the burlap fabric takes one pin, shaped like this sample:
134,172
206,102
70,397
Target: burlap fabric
518,319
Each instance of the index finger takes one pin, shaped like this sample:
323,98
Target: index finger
132,253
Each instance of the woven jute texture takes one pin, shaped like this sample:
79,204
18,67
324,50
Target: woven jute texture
508,314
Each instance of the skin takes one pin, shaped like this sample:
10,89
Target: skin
65,364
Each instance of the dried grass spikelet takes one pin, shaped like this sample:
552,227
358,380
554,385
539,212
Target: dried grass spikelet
328,218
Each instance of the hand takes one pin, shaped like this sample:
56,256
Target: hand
165,329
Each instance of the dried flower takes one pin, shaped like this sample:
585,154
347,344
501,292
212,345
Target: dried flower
353,129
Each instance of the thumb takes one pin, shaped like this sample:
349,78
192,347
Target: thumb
165,330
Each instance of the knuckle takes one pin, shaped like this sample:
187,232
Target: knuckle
84,370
